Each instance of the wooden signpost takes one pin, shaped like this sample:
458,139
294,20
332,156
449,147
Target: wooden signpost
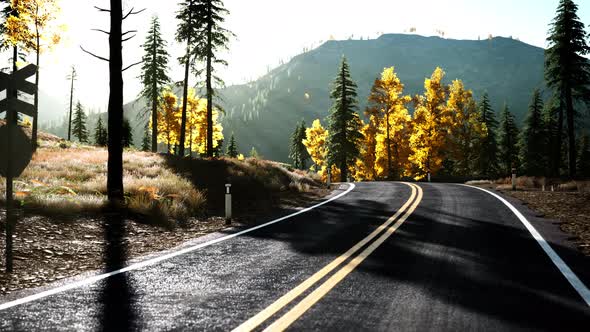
15,146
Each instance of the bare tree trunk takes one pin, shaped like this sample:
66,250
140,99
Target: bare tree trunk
71,105
185,95
115,111
571,133
154,102
36,100
209,85
559,139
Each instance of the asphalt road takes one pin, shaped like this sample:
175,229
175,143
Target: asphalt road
384,257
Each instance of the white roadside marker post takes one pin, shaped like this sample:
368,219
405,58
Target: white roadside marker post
428,176
329,177
228,204
513,178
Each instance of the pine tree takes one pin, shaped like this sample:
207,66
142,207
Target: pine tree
553,137
583,161
232,148
508,141
254,154
345,126
533,149
146,141
488,154
79,126
206,39
100,134
567,71
298,151
154,74
127,134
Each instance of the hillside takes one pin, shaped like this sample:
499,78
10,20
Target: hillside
264,112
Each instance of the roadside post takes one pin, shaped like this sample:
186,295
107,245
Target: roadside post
228,204
329,176
428,176
15,147
513,178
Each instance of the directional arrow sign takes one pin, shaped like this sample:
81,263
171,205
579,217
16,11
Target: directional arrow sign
24,73
17,105
18,80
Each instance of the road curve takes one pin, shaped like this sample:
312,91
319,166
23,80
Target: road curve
386,256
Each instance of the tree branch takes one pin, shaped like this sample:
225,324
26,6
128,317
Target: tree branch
131,12
103,31
135,64
102,9
128,32
94,55
126,39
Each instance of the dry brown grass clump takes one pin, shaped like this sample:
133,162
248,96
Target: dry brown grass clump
73,180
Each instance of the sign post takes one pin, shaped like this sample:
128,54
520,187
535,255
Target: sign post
15,146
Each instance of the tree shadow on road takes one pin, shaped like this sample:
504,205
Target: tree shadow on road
117,295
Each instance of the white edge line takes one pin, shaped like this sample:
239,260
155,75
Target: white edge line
153,261
571,277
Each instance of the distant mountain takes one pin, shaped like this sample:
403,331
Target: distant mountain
263,113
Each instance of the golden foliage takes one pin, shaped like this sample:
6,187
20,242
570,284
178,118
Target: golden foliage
431,125
467,130
34,28
169,121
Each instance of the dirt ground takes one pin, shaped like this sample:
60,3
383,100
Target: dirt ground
47,249
572,209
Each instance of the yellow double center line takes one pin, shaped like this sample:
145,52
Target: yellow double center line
298,310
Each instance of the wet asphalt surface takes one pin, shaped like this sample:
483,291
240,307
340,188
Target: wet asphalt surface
462,261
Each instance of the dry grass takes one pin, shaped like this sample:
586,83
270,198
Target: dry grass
73,180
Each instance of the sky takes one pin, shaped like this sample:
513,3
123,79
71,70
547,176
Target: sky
269,31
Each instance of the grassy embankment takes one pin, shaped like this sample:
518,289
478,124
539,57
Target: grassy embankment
70,179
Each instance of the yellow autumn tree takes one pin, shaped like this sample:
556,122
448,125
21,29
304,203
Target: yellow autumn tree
315,143
168,119
366,163
35,30
388,104
467,130
431,126
197,124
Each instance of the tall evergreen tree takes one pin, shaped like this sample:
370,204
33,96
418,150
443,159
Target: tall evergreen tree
345,125
154,74
127,134
488,154
553,137
298,151
567,71
532,141
79,124
584,157
508,141
232,148
187,29
210,39
101,137
146,141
